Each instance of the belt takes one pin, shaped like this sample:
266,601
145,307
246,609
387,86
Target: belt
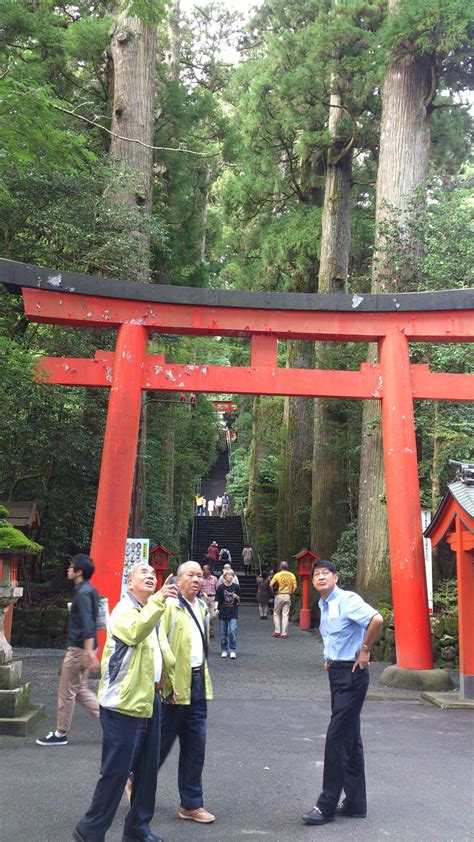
340,664
196,670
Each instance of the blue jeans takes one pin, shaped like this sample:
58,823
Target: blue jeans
188,723
344,753
228,628
130,744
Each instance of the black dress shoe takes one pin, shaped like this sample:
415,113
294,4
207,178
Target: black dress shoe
315,816
150,837
344,810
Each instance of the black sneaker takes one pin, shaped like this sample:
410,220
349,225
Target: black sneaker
53,740
315,816
343,810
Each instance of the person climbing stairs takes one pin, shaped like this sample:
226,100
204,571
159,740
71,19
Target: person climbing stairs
227,532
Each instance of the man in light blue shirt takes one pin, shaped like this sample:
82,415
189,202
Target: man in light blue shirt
349,627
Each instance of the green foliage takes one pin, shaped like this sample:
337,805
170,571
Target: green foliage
345,557
441,28
432,248
181,449
50,440
238,478
149,11
14,539
445,596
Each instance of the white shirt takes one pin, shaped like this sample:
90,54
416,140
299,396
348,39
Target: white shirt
157,656
197,651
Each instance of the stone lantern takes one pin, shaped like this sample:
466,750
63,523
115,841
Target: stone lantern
305,560
17,716
159,561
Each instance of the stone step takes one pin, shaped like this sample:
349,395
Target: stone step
21,726
14,702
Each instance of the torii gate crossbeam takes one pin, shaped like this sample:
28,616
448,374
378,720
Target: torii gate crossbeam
137,310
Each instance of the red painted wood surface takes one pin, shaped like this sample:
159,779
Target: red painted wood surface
455,526
409,593
305,612
88,311
263,351
463,545
365,383
393,381
118,461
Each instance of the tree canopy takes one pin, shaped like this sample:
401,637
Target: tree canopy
242,147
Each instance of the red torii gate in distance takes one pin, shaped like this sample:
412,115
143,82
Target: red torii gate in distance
392,321
224,406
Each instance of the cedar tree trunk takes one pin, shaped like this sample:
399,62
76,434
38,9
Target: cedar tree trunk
403,163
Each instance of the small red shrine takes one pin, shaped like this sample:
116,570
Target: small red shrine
305,560
159,557
454,523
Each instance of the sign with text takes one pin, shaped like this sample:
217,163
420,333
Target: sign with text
136,550
425,522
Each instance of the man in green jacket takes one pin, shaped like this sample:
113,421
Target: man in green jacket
184,641
133,668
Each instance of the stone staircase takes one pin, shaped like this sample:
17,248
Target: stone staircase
226,531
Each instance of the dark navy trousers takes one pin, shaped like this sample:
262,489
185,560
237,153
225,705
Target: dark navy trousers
188,723
130,744
344,753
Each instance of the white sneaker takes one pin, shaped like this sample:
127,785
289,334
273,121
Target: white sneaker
233,655
223,654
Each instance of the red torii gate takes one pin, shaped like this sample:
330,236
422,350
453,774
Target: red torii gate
224,406
392,321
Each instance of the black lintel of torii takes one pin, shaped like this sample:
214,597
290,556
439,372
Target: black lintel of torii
15,275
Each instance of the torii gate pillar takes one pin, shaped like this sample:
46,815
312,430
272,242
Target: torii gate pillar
118,460
410,601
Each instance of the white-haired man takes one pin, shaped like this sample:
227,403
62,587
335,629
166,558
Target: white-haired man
132,672
184,639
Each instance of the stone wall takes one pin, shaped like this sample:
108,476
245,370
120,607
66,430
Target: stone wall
40,628
444,635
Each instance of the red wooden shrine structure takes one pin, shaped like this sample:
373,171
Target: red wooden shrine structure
454,523
136,311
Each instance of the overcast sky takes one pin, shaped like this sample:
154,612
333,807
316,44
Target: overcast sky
238,5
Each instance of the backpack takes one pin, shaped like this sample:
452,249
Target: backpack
225,555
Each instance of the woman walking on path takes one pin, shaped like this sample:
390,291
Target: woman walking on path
247,559
227,607
263,594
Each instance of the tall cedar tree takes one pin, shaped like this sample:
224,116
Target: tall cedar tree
420,36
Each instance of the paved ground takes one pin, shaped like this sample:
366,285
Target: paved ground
264,762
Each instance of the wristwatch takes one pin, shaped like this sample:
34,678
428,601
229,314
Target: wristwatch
365,647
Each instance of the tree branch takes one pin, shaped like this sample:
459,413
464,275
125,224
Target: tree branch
434,85
450,105
133,139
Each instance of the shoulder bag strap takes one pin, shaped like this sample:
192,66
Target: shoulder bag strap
203,637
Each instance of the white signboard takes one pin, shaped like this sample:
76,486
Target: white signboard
425,522
136,549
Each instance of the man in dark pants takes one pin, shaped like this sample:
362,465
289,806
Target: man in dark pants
184,639
81,652
132,669
349,627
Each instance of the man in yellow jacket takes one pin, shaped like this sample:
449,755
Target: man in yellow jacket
184,641
133,668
